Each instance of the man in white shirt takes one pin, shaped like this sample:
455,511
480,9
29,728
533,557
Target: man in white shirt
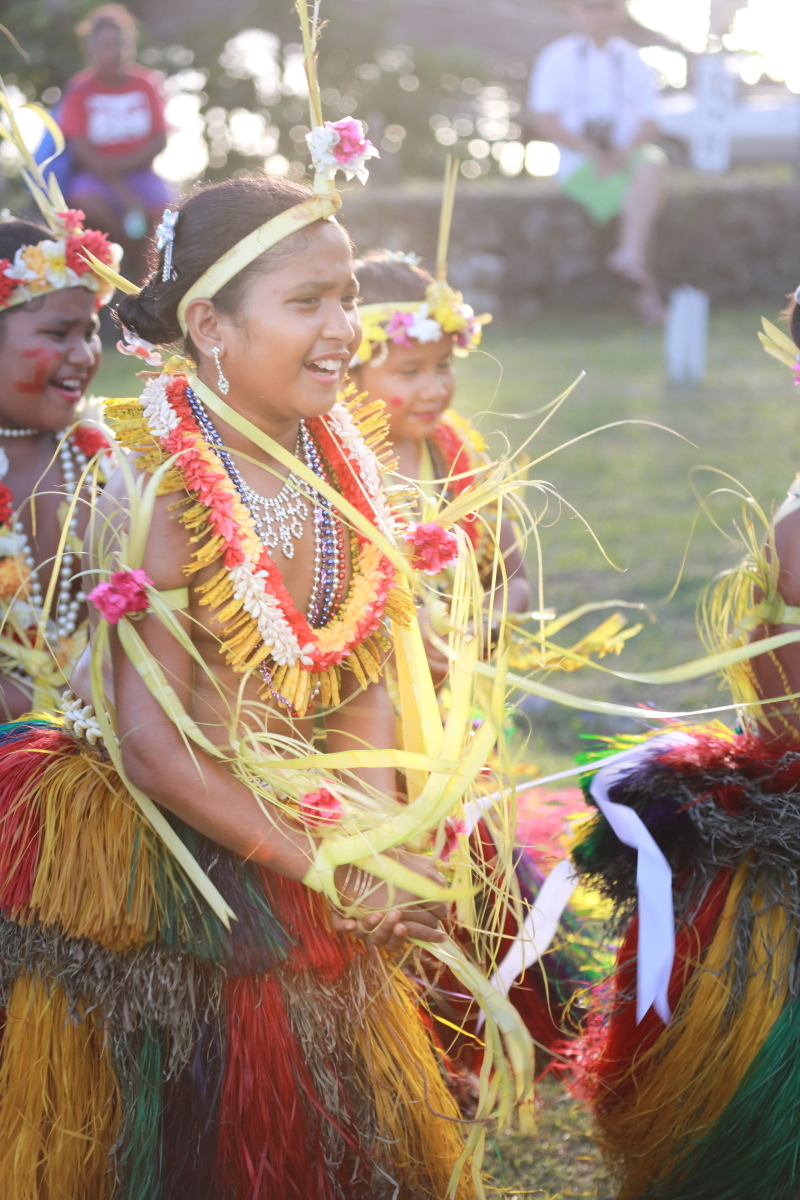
594,97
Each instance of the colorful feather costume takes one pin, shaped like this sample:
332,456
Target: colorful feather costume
707,1107
148,1051
153,1046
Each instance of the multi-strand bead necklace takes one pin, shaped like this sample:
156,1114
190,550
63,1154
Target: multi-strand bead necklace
70,593
280,520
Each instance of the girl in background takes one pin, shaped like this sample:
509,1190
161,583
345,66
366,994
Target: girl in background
49,353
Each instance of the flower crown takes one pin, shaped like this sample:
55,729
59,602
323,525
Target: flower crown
62,260
442,311
59,262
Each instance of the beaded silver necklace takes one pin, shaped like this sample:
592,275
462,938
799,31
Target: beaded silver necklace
280,520
70,597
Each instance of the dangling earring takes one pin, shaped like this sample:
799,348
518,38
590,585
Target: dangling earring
222,382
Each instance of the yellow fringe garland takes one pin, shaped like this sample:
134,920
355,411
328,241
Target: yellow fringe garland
242,645
686,1080
60,1105
416,1114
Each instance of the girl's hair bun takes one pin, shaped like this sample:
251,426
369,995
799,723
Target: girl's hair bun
141,314
211,221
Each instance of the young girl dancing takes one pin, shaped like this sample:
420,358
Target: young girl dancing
49,353
199,906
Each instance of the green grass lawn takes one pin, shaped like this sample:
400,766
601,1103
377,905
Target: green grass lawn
559,1163
632,484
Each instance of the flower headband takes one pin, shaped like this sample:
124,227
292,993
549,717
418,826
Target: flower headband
334,146
442,311
62,260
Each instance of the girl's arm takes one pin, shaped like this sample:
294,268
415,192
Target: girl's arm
14,701
199,789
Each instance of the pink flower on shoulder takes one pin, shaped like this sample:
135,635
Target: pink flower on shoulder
125,593
435,547
318,809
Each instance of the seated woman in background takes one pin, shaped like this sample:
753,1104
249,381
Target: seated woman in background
112,117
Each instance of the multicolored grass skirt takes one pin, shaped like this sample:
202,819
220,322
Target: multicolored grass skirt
708,1107
150,1054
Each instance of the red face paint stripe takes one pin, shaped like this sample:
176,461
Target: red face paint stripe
45,361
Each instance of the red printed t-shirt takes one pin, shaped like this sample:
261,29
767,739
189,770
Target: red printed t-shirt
115,118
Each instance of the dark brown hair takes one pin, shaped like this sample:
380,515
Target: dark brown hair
114,16
212,220
383,276
792,315
14,235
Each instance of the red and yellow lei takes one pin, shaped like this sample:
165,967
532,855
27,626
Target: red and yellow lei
261,624
462,450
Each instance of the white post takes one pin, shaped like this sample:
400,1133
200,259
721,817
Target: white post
686,335
715,88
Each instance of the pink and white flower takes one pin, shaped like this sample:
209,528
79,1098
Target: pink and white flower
131,343
341,145
424,327
121,596
434,547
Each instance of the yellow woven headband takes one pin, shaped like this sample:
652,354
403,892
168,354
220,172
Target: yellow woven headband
318,208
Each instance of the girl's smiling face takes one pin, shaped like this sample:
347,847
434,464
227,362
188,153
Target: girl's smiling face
49,353
285,351
416,383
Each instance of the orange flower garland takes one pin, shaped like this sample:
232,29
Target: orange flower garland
262,625
463,450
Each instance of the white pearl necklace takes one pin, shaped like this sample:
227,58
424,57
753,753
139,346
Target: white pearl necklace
18,432
73,462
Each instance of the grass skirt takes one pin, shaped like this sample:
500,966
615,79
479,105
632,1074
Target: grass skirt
708,1107
150,1054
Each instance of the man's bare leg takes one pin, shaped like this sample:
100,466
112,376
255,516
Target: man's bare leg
643,203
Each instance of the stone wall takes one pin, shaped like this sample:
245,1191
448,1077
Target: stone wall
518,245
